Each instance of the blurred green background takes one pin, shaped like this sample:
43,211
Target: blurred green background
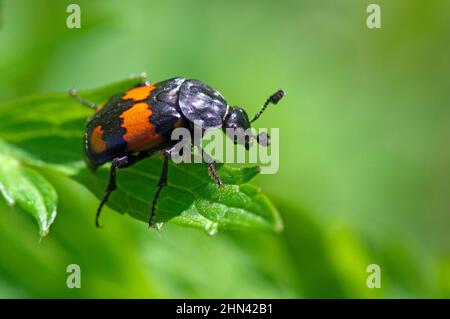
364,166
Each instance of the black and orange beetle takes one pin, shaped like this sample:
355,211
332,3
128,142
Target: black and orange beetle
137,123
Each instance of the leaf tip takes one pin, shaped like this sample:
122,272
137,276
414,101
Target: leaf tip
44,228
279,227
212,229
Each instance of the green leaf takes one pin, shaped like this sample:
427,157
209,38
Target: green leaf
191,197
46,132
25,187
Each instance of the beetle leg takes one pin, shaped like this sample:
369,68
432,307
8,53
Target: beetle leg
213,173
82,101
120,162
211,164
112,185
161,183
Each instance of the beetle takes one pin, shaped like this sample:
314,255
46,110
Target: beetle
137,123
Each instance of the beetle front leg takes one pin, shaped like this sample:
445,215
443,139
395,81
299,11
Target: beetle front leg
213,173
211,164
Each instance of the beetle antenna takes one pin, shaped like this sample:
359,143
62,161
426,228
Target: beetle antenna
274,99
82,101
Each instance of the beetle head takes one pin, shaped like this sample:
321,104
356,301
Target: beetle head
236,125
237,120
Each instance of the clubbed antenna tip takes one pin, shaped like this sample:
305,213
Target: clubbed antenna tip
277,96
274,99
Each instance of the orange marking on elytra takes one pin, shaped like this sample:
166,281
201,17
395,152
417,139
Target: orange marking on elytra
97,143
139,93
140,133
